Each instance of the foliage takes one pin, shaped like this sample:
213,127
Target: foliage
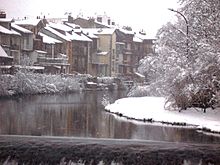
24,82
186,67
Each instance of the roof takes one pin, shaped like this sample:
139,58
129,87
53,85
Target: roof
3,53
89,34
7,31
108,31
126,31
5,20
33,22
21,29
77,37
64,37
136,39
60,26
49,40
144,36
72,25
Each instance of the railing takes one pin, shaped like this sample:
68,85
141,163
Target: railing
52,60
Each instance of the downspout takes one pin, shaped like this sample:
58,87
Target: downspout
110,57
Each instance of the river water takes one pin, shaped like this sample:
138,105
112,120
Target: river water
83,115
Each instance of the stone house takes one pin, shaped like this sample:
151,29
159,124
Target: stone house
26,42
104,60
127,64
10,40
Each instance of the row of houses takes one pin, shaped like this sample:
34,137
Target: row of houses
81,45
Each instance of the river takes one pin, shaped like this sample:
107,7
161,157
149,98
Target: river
83,115
55,129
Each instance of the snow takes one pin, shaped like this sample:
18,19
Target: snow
102,53
136,39
153,107
32,22
41,52
21,29
96,31
49,40
3,53
144,36
140,75
57,33
126,31
13,32
72,25
4,30
5,20
60,26
77,37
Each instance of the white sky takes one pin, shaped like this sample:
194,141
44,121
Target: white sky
149,15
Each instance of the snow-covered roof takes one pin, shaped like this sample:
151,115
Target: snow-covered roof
89,34
3,53
21,29
144,36
72,25
49,40
126,31
60,26
40,51
5,20
7,31
64,37
97,31
136,39
15,33
77,37
32,22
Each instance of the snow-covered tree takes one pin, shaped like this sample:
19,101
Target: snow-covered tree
186,65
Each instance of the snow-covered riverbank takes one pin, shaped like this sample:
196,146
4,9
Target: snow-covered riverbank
23,83
153,108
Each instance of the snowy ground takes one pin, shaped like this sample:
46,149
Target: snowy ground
153,107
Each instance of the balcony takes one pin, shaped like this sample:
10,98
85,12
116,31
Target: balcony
52,61
15,47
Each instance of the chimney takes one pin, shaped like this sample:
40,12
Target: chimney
2,14
70,19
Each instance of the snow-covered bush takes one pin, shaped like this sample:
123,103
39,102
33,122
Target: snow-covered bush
24,82
139,91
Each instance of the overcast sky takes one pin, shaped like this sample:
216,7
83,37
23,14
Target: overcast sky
149,15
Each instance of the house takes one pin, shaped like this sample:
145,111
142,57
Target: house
64,48
138,50
76,45
33,25
26,45
10,40
104,60
148,43
81,48
127,61
51,57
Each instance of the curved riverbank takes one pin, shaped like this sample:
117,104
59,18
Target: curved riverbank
51,150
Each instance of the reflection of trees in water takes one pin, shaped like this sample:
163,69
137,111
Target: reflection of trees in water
82,115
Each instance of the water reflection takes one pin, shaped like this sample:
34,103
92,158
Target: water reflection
81,115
